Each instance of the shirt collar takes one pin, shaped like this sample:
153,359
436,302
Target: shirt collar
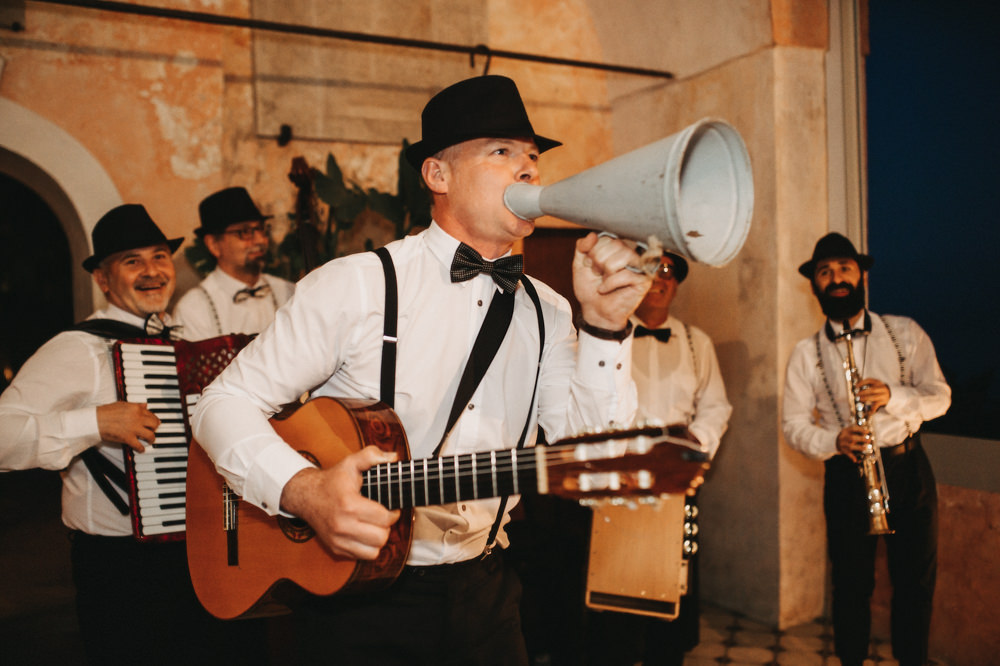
834,328
231,285
443,245
670,322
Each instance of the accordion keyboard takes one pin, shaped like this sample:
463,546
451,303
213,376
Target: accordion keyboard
150,376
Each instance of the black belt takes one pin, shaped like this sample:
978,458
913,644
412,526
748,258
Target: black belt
907,445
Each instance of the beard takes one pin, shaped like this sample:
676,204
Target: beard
255,263
839,308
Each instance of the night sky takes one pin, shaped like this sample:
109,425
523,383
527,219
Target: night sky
934,148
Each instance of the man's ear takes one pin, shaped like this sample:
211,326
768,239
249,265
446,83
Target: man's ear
101,278
212,243
435,175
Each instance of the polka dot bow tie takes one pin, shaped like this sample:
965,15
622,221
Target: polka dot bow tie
505,271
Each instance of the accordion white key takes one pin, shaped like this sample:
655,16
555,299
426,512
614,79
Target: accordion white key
168,376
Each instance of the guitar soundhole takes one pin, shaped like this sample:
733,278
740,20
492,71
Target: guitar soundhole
296,529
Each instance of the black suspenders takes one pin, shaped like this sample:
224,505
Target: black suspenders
388,383
388,374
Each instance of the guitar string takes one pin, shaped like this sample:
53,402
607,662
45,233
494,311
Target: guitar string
470,466
554,455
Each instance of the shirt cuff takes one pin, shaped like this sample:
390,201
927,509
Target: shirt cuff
271,470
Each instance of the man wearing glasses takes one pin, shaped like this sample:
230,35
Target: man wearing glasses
236,297
677,378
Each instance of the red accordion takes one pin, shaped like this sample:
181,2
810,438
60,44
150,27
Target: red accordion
167,375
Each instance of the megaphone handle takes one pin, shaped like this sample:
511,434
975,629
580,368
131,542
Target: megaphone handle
649,261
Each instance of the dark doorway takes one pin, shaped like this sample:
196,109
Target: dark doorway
36,302
36,284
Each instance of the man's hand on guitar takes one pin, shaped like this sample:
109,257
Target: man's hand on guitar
127,423
350,524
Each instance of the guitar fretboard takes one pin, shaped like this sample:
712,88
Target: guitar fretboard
433,481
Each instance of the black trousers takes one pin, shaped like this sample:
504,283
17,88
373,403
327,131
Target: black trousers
458,614
911,551
135,604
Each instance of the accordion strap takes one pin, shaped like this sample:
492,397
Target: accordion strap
101,469
109,328
105,473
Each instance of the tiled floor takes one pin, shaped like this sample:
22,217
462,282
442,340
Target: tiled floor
728,638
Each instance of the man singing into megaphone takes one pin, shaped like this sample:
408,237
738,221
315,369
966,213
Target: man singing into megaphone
455,601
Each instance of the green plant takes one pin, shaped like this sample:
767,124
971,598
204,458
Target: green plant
313,241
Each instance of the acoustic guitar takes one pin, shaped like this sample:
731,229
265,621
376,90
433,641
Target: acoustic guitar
245,563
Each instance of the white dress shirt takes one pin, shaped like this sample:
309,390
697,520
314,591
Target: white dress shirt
922,394
48,416
678,381
329,338
208,310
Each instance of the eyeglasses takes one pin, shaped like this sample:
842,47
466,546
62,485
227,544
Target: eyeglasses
247,232
665,271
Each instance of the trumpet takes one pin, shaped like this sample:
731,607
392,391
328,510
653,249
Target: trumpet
870,467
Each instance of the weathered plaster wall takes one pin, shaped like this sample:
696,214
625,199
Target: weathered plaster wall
800,143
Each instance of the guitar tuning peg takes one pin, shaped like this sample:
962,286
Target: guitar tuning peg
644,479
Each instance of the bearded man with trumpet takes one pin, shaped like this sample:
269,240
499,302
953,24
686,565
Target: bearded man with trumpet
900,387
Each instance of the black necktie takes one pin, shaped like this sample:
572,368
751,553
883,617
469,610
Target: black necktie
661,334
505,271
251,292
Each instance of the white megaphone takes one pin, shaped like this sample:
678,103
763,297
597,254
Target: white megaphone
692,191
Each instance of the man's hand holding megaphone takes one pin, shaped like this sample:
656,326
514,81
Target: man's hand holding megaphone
606,283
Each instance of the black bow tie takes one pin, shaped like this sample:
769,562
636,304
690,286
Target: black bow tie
661,334
864,330
251,292
468,263
155,327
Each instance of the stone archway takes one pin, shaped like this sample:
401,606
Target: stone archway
69,179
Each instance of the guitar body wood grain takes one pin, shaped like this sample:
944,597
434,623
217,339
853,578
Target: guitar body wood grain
277,558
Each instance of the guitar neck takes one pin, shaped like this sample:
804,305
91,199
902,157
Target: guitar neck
432,481
651,460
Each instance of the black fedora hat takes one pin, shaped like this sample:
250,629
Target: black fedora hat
831,246
229,206
125,227
476,108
